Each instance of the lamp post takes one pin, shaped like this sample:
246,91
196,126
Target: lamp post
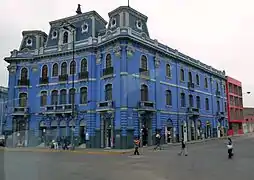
72,30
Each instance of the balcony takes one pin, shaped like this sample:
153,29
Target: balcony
44,80
144,73
21,111
193,111
146,105
23,82
59,109
83,75
108,72
191,86
105,105
220,115
218,93
63,77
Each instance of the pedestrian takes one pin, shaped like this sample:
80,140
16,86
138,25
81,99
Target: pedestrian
230,148
158,141
136,146
183,149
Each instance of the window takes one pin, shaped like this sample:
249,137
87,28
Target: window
190,77
64,68
65,37
144,65
190,100
108,92
218,106
206,83
43,98
144,93
182,100
168,70
54,97
83,95
83,67
225,104
24,74
206,103
168,98
55,70
108,61
44,73
224,89
198,102
73,67
23,99
63,94
197,79
72,93
182,75
217,86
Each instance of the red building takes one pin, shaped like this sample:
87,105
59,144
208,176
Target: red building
235,106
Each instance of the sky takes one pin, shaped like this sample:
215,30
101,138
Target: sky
218,33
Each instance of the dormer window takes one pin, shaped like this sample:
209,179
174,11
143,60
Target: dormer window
84,27
65,37
54,34
139,24
113,22
29,42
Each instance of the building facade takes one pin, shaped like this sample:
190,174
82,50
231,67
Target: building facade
3,107
235,106
248,114
126,85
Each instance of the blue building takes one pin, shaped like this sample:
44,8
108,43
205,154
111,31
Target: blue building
3,107
125,84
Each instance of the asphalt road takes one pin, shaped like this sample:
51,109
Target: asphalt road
205,161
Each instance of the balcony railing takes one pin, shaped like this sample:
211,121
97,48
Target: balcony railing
218,93
193,111
63,77
83,75
23,82
147,105
108,71
191,85
44,80
60,108
220,114
21,110
143,72
104,105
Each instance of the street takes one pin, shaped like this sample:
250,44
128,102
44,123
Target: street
205,161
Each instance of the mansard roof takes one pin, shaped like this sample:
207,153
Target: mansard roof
39,32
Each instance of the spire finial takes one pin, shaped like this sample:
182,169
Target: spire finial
79,9
128,3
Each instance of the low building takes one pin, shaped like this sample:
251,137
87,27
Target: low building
235,106
248,113
3,107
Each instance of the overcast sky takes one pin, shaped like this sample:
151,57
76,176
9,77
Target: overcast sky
220,33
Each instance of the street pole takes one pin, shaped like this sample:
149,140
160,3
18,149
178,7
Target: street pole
73,95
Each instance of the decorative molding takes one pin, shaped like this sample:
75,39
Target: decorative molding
130,50
157,60
98,57
12,69
117,50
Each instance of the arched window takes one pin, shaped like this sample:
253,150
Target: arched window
182,75
65,37
73,67
144,65
64,68
218,106
83,67
206,83
63,94
72,93
108,61
43,98
217,86
144,93
168,70
190,77
22,99
182,100
83,95
55,70
190,100
168,98
24,74
198,102
44,72
197,79
206,103
54,97
108,92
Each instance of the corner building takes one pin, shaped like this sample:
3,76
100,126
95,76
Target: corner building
125,85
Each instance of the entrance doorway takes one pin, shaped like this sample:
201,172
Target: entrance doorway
169,132
53,130
145,121
63,128
184,130
192,131
42,131
20,131
208,130
107,130
199,130
82,131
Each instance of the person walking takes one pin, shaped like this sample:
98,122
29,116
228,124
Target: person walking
158,141
136,146
183,148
